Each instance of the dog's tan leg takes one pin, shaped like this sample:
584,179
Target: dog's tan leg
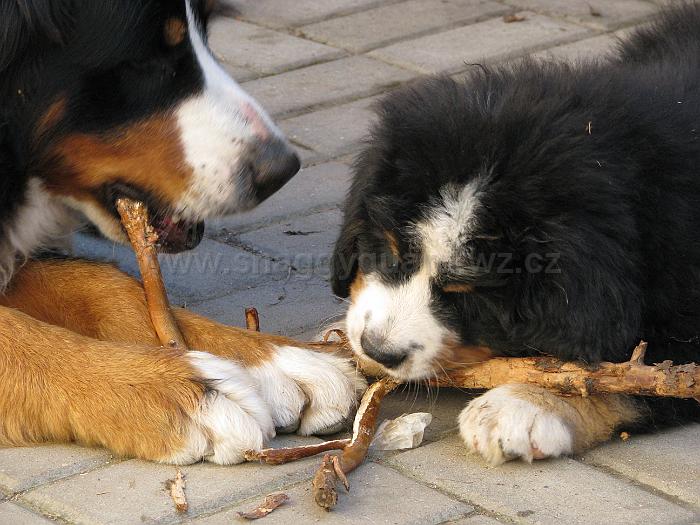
303,389
529,422
136,400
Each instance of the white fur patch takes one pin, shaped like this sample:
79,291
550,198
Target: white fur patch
501,426
447,224
216,126
41,221
232,418
400,315
315,391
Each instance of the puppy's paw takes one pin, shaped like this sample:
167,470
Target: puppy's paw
231,417
309,392
503,424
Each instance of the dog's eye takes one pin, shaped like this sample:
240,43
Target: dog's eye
457,288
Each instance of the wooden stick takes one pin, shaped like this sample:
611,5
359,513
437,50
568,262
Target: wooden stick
566,378
335,468
632,378
271,502
143,239
279,456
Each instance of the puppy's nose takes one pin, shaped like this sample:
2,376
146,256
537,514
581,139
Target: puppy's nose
377,349
274,163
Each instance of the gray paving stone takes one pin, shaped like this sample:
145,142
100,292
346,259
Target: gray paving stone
332,82
239,74
211,270
134,492
599,14
332,132
477,519
655,460
11,514
317,188
22,468
377,495
263,50
491,40
302,305
596,47
304,242
444,404
561,491
276,13
386,24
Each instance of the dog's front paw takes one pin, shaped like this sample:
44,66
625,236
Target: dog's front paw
231,416
308,392
515,421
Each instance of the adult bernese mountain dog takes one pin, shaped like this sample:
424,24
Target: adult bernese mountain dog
534,208
106,99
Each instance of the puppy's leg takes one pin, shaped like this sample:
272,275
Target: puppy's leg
529,422
305,390
135,400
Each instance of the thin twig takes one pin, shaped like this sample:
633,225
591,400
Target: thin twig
143,239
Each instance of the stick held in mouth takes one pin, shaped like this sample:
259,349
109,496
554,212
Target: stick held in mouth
143,240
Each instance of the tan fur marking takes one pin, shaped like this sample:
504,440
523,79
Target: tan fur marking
454,355
592,419
147,154
458,288
52,116
393,243
58,386
174,31
357,285
99,301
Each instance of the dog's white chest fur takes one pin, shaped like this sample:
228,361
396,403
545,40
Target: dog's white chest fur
40,221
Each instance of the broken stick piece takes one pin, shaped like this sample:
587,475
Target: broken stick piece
335,468
143,238
271,502
177,491
252,319
279,456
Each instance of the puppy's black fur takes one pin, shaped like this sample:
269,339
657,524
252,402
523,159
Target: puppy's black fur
592,170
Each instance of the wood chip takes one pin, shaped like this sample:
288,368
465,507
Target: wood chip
252,319
177,491
271,502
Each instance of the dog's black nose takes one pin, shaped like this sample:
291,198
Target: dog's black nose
274,163
377,349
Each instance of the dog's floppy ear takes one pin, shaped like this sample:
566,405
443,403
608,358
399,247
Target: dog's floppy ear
23,21
345,256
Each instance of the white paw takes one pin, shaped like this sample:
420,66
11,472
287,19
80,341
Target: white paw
500,426
310,392
232,417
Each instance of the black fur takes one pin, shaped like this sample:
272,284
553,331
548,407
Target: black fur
592,169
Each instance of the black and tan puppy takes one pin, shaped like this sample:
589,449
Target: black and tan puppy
535,208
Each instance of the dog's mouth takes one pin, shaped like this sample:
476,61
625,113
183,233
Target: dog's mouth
174,235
